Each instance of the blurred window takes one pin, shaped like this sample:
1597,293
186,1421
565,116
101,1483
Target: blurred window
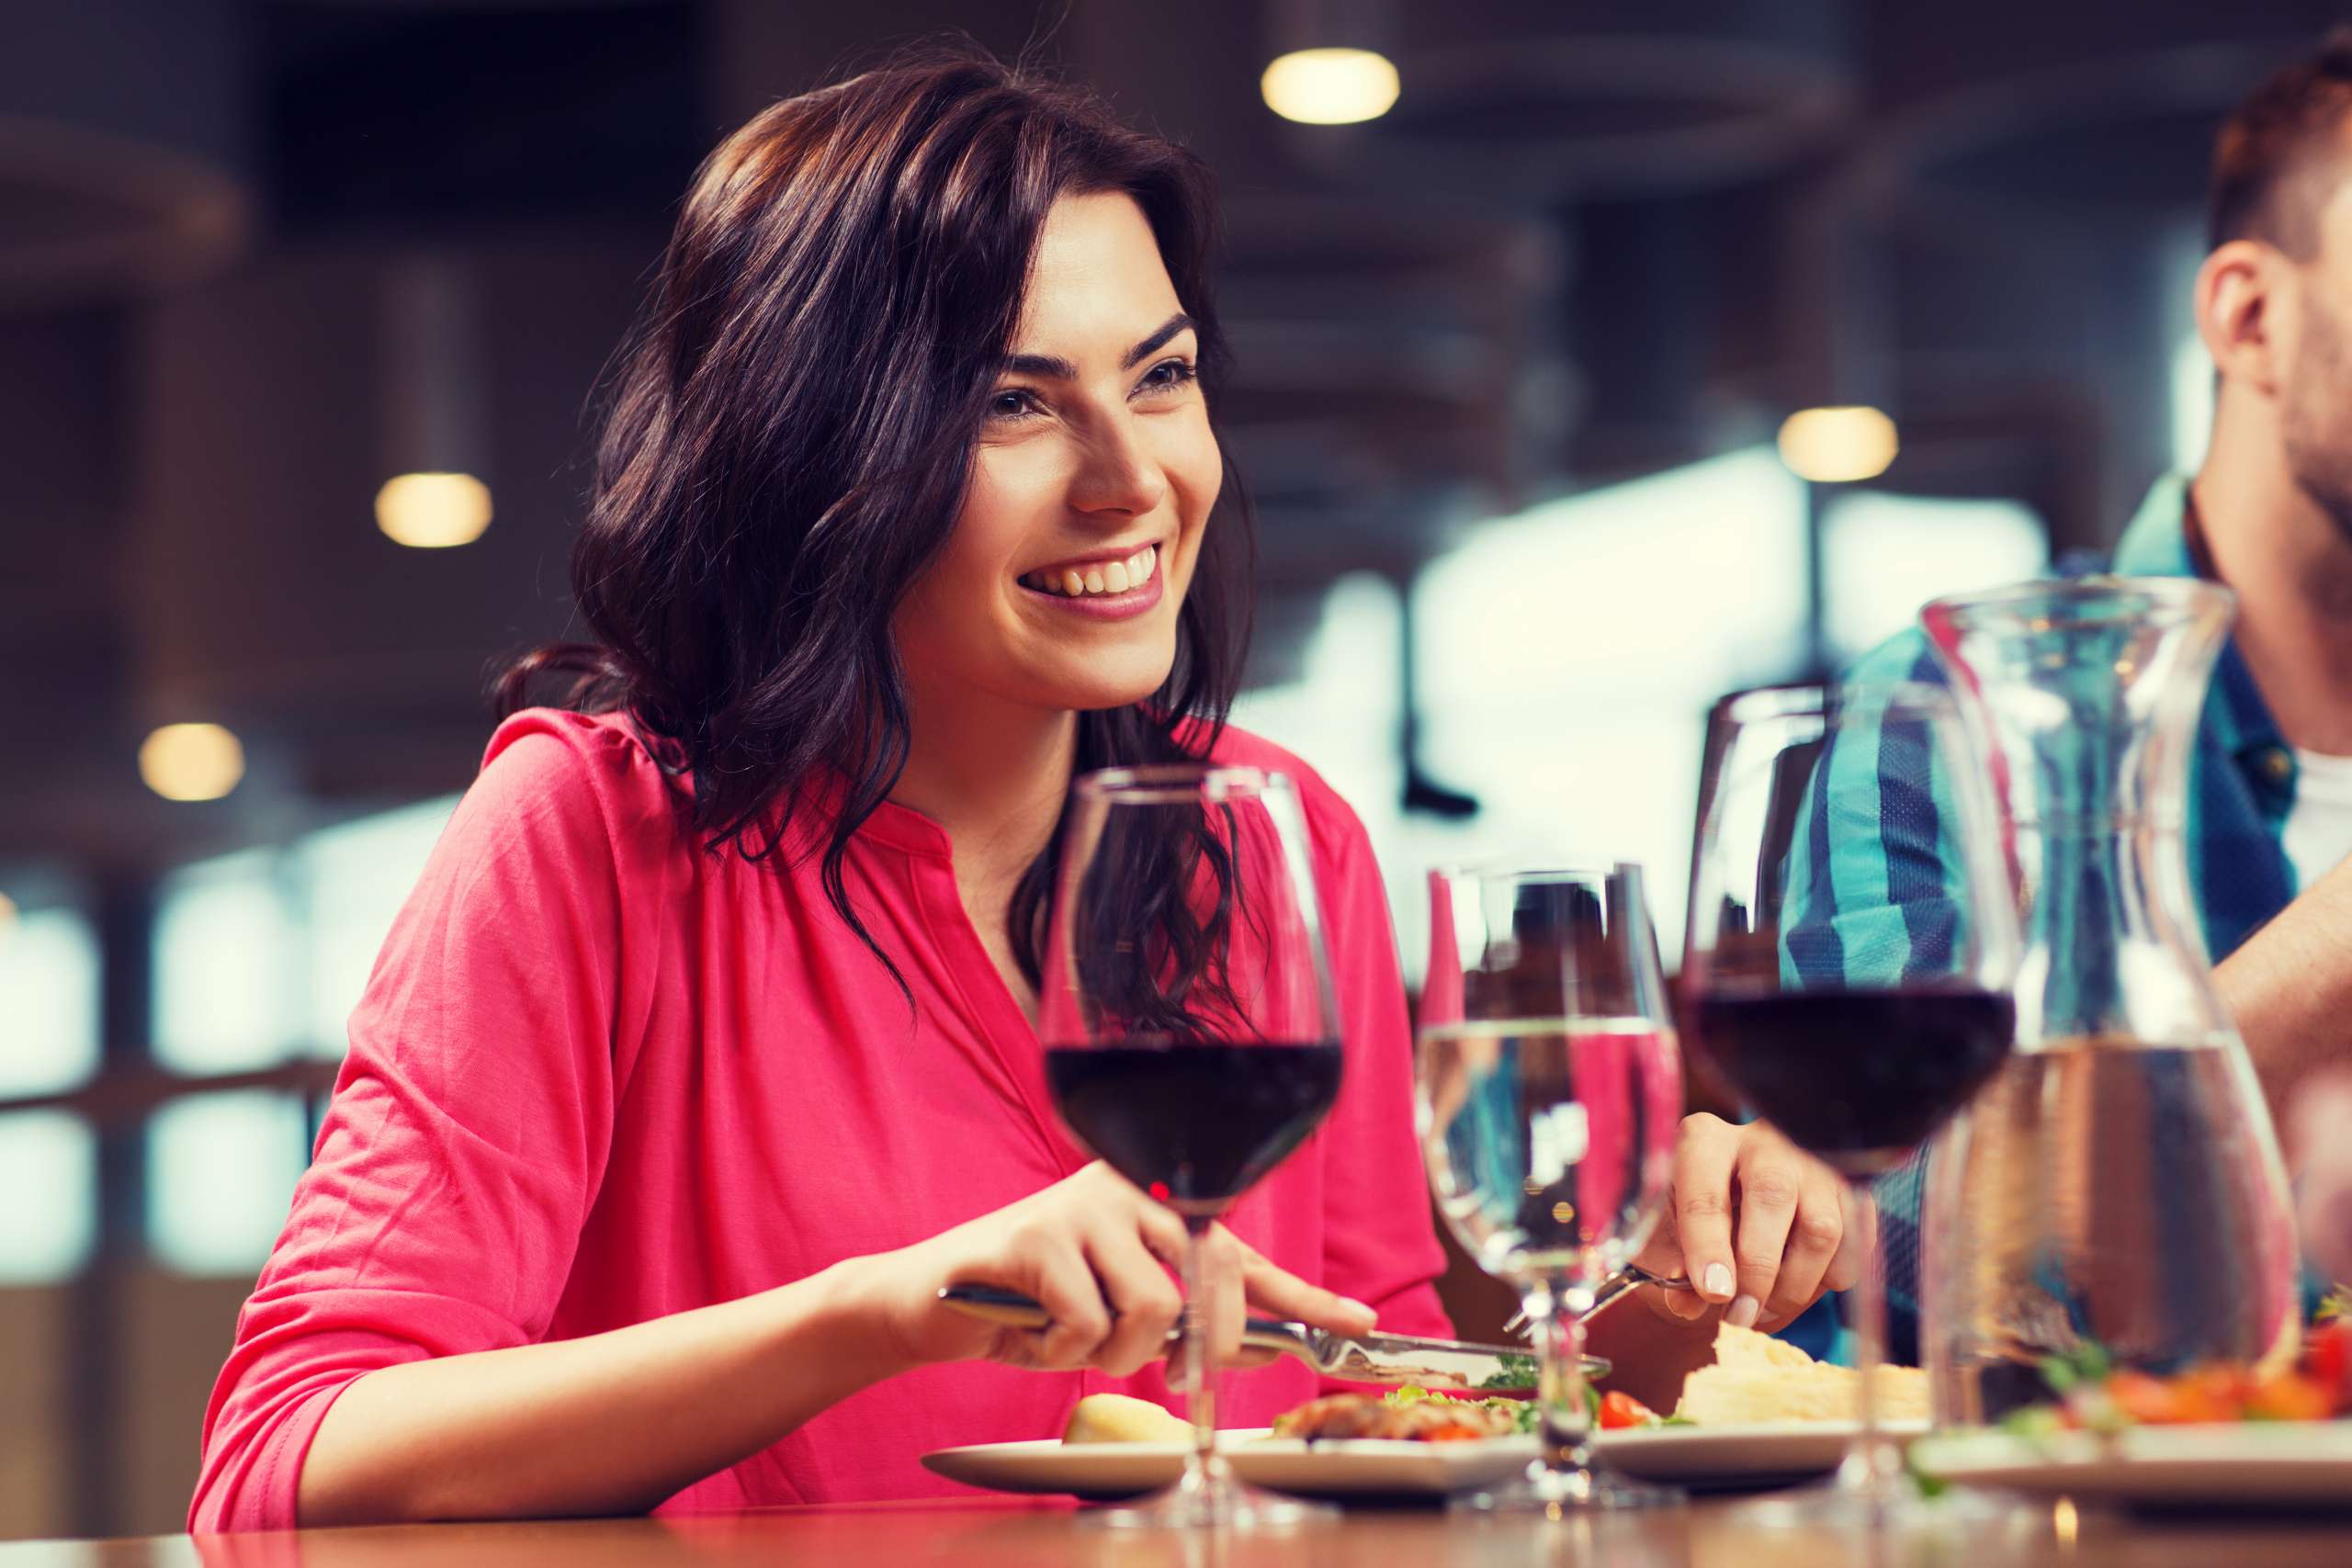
355,877
1568,657
49,1169
220,1175
2192,404
48,1002
261,955
1887,554
226,979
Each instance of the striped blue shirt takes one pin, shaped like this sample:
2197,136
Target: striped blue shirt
1879,902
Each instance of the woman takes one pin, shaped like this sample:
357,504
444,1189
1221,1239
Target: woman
703,1055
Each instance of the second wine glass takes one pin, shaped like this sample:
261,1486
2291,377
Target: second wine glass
1854,998
1549,1092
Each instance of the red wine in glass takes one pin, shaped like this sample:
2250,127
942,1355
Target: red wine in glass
1194,1122
1859,1078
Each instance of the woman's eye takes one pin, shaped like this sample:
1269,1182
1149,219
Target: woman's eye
1009,405
1167,374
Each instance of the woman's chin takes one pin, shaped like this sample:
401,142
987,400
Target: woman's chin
1100,690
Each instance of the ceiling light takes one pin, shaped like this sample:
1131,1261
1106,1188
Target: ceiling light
433,512
1837,445
191,761
1329,86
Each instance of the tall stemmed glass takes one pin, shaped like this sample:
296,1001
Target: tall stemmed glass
1855,996
1550,1090
1191,1037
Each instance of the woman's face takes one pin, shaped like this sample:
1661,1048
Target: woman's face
1092,479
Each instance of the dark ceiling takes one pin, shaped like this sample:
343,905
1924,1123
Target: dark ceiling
1592,239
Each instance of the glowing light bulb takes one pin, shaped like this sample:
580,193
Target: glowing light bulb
191,761
1329,86
433,512
1836,445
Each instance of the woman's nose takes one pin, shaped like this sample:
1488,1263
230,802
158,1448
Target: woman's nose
1118,476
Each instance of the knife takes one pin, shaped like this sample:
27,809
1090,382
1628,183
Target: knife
1448,1364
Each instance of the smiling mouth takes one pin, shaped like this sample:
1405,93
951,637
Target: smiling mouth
1103,578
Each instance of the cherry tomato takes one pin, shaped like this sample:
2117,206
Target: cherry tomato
1619,1411
2328,1358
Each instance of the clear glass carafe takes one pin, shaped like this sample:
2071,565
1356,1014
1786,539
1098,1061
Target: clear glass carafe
2119,1183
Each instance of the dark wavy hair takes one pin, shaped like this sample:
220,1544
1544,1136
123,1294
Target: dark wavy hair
788,440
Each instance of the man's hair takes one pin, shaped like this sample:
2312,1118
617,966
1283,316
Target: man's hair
2275,152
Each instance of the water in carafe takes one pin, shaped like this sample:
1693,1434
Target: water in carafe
2119,1184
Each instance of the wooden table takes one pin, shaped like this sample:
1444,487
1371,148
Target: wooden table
984,1536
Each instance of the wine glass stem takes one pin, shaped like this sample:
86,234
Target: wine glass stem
1873,1465
1564,1409
1200,1384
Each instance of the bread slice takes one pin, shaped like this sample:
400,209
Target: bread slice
1756,1378
1116,1419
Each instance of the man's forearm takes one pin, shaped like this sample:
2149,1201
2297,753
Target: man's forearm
2289,990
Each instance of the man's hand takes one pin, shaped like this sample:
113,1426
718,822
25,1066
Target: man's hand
1755,1223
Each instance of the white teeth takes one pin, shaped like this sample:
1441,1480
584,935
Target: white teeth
1112,577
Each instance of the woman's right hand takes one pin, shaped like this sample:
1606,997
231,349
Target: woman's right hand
1098,1255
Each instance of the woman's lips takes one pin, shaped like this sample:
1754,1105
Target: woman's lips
1096,595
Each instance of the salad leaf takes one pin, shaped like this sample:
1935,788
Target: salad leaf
1515,1372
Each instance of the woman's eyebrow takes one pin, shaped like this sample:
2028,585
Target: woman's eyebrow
1160,334
1055,367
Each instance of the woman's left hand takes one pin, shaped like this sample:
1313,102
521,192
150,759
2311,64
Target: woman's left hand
1761,1228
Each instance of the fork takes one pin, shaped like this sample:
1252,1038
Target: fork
1631,1277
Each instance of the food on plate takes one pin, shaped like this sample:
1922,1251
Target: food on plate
1406,1415
1622,1412
1117,1418
1756,1378
2093,1395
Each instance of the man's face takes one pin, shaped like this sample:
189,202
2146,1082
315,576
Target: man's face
2316,390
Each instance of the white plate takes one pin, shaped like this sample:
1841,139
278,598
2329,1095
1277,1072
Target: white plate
1757,1455
1358,1468
1689,1456
1049,1465
2255,1465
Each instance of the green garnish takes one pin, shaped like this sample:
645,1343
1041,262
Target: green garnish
2086,1364
1512,1371
2338,1304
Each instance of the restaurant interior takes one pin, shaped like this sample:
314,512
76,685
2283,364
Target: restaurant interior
1636,352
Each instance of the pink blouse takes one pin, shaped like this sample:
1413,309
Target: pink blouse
599,1077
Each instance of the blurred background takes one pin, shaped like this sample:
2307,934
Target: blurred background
1637,350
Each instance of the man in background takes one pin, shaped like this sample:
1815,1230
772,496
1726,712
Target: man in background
2269,514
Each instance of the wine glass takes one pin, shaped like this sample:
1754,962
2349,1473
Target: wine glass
1853,996
1549,1091
1191,1041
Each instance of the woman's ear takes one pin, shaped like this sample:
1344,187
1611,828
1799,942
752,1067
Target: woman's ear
2246,301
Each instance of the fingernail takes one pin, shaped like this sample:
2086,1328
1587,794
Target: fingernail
1718,1280
1354,1305
1743,1313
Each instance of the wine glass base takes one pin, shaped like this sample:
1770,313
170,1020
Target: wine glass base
1555,1492
1210,1499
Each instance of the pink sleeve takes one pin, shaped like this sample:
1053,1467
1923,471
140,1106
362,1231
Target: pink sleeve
470,1121
1381,1242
